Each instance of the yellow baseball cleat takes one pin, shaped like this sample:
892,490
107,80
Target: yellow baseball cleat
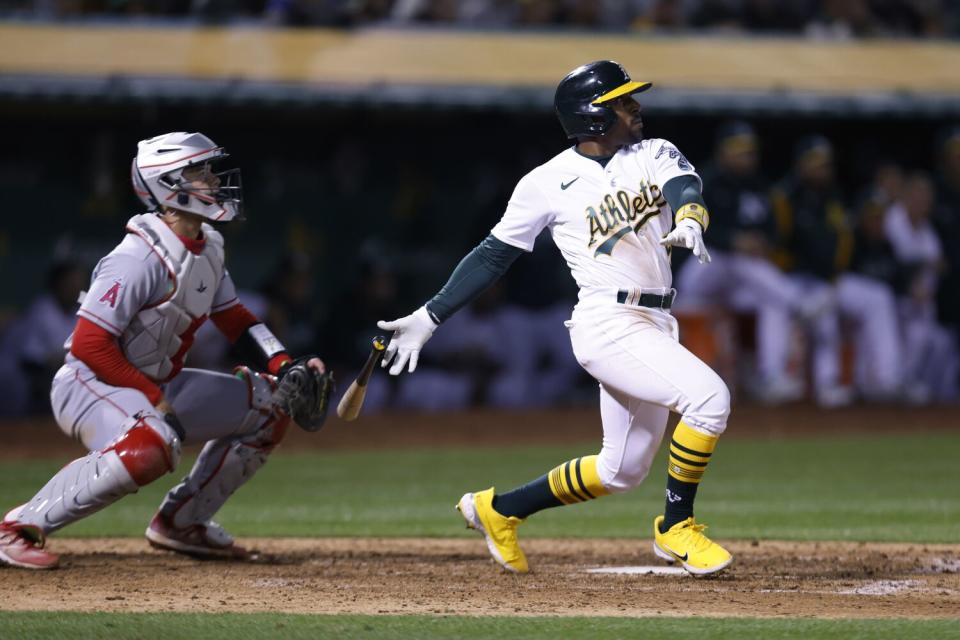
499,531
685,543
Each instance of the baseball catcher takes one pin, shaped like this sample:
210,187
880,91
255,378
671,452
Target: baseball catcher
123,390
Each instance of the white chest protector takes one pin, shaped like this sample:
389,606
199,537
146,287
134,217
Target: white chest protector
152,338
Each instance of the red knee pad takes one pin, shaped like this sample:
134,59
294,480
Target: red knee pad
144,454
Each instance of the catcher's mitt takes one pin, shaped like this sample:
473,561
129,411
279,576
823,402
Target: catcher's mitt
304,393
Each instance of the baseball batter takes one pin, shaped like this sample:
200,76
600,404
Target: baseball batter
123,391
614,204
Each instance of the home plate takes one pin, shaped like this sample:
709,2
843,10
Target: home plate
660,571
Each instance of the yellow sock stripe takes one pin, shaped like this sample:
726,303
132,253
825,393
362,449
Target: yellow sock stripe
686,463
577,481
568,476
559,487
588,477
690,451
684,474
693,441
688,454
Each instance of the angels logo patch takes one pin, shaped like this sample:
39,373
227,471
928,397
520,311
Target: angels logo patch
110,297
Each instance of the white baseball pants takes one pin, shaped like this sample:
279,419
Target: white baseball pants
644,372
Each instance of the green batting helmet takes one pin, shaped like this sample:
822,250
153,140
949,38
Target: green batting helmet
582,97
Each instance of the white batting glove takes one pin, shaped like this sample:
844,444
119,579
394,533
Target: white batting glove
409,335
689,235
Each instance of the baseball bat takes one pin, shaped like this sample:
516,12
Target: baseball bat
352,400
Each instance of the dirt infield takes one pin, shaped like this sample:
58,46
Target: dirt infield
456,577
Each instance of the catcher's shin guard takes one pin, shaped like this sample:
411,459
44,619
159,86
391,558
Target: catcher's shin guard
260,391
147,450
227,463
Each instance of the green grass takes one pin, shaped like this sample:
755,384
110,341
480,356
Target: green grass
174,626
893,488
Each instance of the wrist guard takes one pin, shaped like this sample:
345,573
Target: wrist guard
258,347
694,211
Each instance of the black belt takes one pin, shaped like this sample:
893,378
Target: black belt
652,300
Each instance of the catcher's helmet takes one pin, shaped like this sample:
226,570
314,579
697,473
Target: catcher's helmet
582,96
157,176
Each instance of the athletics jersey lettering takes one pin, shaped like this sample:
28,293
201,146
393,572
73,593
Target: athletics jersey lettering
620,214
610,219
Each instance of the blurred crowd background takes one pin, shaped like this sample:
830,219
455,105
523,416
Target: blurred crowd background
834,233
825,19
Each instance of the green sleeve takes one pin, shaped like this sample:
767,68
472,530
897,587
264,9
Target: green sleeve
683,190
476,272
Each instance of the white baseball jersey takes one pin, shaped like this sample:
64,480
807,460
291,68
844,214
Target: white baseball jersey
606,221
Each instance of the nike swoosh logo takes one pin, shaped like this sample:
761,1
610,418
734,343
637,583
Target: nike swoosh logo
682,558
202,287
567,185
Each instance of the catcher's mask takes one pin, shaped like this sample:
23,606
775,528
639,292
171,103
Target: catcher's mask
158,180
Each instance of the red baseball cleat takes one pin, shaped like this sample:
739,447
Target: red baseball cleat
198,540
21,545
